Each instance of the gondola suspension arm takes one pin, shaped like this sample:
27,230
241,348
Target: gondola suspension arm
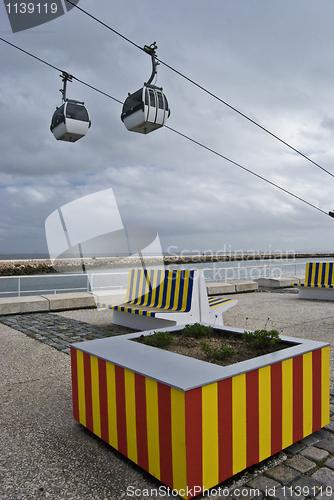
151,50
65,78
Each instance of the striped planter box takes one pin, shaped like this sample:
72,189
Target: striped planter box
193,424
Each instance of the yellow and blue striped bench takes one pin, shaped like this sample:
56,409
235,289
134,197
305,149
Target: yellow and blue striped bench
166,298
319,281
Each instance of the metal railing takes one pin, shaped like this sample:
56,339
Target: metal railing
118,280
119,286
39,284
19,285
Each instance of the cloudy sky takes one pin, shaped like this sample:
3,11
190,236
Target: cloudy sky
274,61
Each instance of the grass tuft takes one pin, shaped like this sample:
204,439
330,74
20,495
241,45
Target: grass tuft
159,339
215,354
197,330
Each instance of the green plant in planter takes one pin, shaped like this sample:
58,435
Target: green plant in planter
261,339
215,354
197,330
159,339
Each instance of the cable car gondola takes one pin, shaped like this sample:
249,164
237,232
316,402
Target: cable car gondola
70,121
147,109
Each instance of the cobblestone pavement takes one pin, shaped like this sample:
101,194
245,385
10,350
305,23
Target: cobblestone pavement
57,331
305,470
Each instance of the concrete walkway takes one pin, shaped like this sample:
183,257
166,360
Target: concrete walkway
46,454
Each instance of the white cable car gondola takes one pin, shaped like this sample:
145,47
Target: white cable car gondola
147,109
70,121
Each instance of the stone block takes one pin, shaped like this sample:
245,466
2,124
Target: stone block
324,476
77,300
220,288
264,484
284,474
18,305
306,486
295,448
310,440
314,453
284,493
283,282
322,434
330,463
298,279
245,286
327,444
300,463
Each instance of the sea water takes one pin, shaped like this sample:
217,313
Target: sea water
114,279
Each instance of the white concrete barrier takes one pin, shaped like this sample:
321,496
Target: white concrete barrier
245,286
18,305
283,282
219,288
44,303
234,286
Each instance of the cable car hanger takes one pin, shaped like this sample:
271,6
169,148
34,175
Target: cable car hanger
150,49
66,77
70,121
146,109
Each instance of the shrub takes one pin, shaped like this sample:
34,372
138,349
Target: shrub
215,354
261,339
197,330
159,339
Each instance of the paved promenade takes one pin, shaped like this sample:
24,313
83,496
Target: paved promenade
46,454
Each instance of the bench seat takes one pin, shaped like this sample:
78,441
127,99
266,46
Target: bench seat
158,298
319,281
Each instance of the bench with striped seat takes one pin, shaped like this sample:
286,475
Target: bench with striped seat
158,298
319,281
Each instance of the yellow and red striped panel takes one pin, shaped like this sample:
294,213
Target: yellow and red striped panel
203,436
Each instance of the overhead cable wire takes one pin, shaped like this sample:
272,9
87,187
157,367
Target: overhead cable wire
31,55
245,168
247,118
207,91
179,133
60,70
105,25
